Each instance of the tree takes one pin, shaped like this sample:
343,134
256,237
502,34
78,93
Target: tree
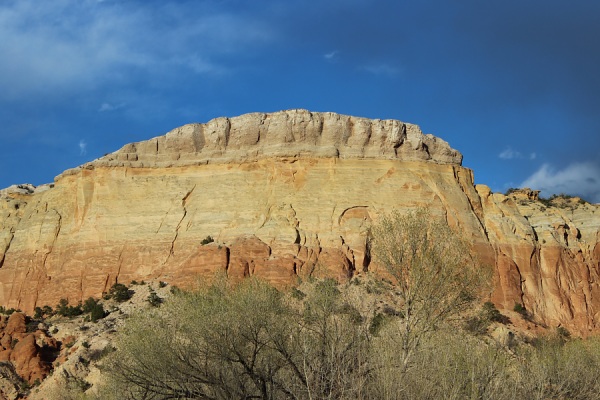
65,310
95,309
246,341
433,271
120,292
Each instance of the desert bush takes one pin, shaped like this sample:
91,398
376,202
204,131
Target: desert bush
435,276
97,313
47,311
242,342
89,304
297,293
478,324
207,240
251,341
38,313
120,292
94,308
563,332
154,299
520,308
68,389
491,313
555,369
378,322
448,365
65,310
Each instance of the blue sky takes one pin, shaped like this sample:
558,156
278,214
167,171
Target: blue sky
513,85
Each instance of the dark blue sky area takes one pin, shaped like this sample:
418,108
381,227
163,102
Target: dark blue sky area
513,85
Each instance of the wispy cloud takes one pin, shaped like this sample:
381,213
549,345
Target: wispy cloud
332,56
69,45
105,107
82,147
510,154
582,179
381,69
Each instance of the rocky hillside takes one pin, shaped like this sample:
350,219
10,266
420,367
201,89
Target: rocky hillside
284,196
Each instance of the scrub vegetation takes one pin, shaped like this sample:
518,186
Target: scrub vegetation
423,335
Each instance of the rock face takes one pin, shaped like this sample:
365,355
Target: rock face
284,196
30,352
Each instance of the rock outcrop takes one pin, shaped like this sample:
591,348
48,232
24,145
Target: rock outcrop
30,352
284,196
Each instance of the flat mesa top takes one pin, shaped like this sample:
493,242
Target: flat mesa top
283,134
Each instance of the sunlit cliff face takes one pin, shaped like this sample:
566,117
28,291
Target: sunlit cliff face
284,196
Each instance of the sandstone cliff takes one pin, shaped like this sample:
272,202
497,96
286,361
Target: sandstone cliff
284,195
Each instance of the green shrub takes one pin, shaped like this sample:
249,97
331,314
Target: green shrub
120,292
47,311
38,313
378,321
563,332
479,323
31,325
352,313
491,313
476,325
297,294
162,284
94,308
65,310
154,299
375,287
89,304
207,240
97,312
519,308
328,285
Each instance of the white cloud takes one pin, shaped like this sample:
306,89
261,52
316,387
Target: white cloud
332,56
105,107
82,147
582,179
74,45
510,154
381,69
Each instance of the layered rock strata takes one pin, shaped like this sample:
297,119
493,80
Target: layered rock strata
284,196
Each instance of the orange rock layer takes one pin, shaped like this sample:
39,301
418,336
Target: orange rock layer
31,353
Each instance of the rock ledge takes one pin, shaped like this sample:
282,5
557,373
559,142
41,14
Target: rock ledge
283,134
